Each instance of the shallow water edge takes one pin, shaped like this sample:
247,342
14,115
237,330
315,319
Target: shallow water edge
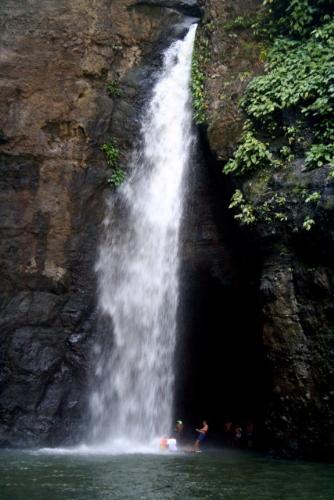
214,474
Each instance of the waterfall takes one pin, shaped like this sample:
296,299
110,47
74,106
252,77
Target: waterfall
138,267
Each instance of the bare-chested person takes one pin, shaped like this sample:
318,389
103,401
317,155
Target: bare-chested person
202,435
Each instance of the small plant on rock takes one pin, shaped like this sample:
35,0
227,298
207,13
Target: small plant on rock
113,89
313,198
197,90
246,215
112,155
117,177
111,152
308,223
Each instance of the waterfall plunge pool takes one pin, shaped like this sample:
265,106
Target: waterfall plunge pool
213,474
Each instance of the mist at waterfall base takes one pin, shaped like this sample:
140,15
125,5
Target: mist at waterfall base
132,403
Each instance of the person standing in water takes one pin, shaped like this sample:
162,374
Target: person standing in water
237,435
179,430
202,435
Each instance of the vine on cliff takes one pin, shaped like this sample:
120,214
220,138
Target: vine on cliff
199,60
197,90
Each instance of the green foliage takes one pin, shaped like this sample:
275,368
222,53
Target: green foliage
313,197
240,22
250,155
289,17
319,155
308,223
280,216
292,103
113,89
299,78
294,18
111,152
201,55
246,214
112,155
286,153
197,88
210,26
237,199
294,134
270,210
117,177
297,74
244,75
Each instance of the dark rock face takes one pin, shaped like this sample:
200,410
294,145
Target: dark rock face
189,7
55,113
297,290
295,276
297,334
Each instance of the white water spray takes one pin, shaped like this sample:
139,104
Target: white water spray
138,268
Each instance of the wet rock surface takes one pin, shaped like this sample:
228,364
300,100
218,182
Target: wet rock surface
57,59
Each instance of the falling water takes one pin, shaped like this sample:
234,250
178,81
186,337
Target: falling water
138,267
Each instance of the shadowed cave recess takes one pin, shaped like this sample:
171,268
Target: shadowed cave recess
220,367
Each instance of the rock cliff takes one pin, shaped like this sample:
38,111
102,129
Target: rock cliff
75,76
57,61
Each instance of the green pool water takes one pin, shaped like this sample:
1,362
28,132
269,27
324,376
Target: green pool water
230,475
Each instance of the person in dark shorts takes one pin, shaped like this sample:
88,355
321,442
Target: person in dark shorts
202,435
